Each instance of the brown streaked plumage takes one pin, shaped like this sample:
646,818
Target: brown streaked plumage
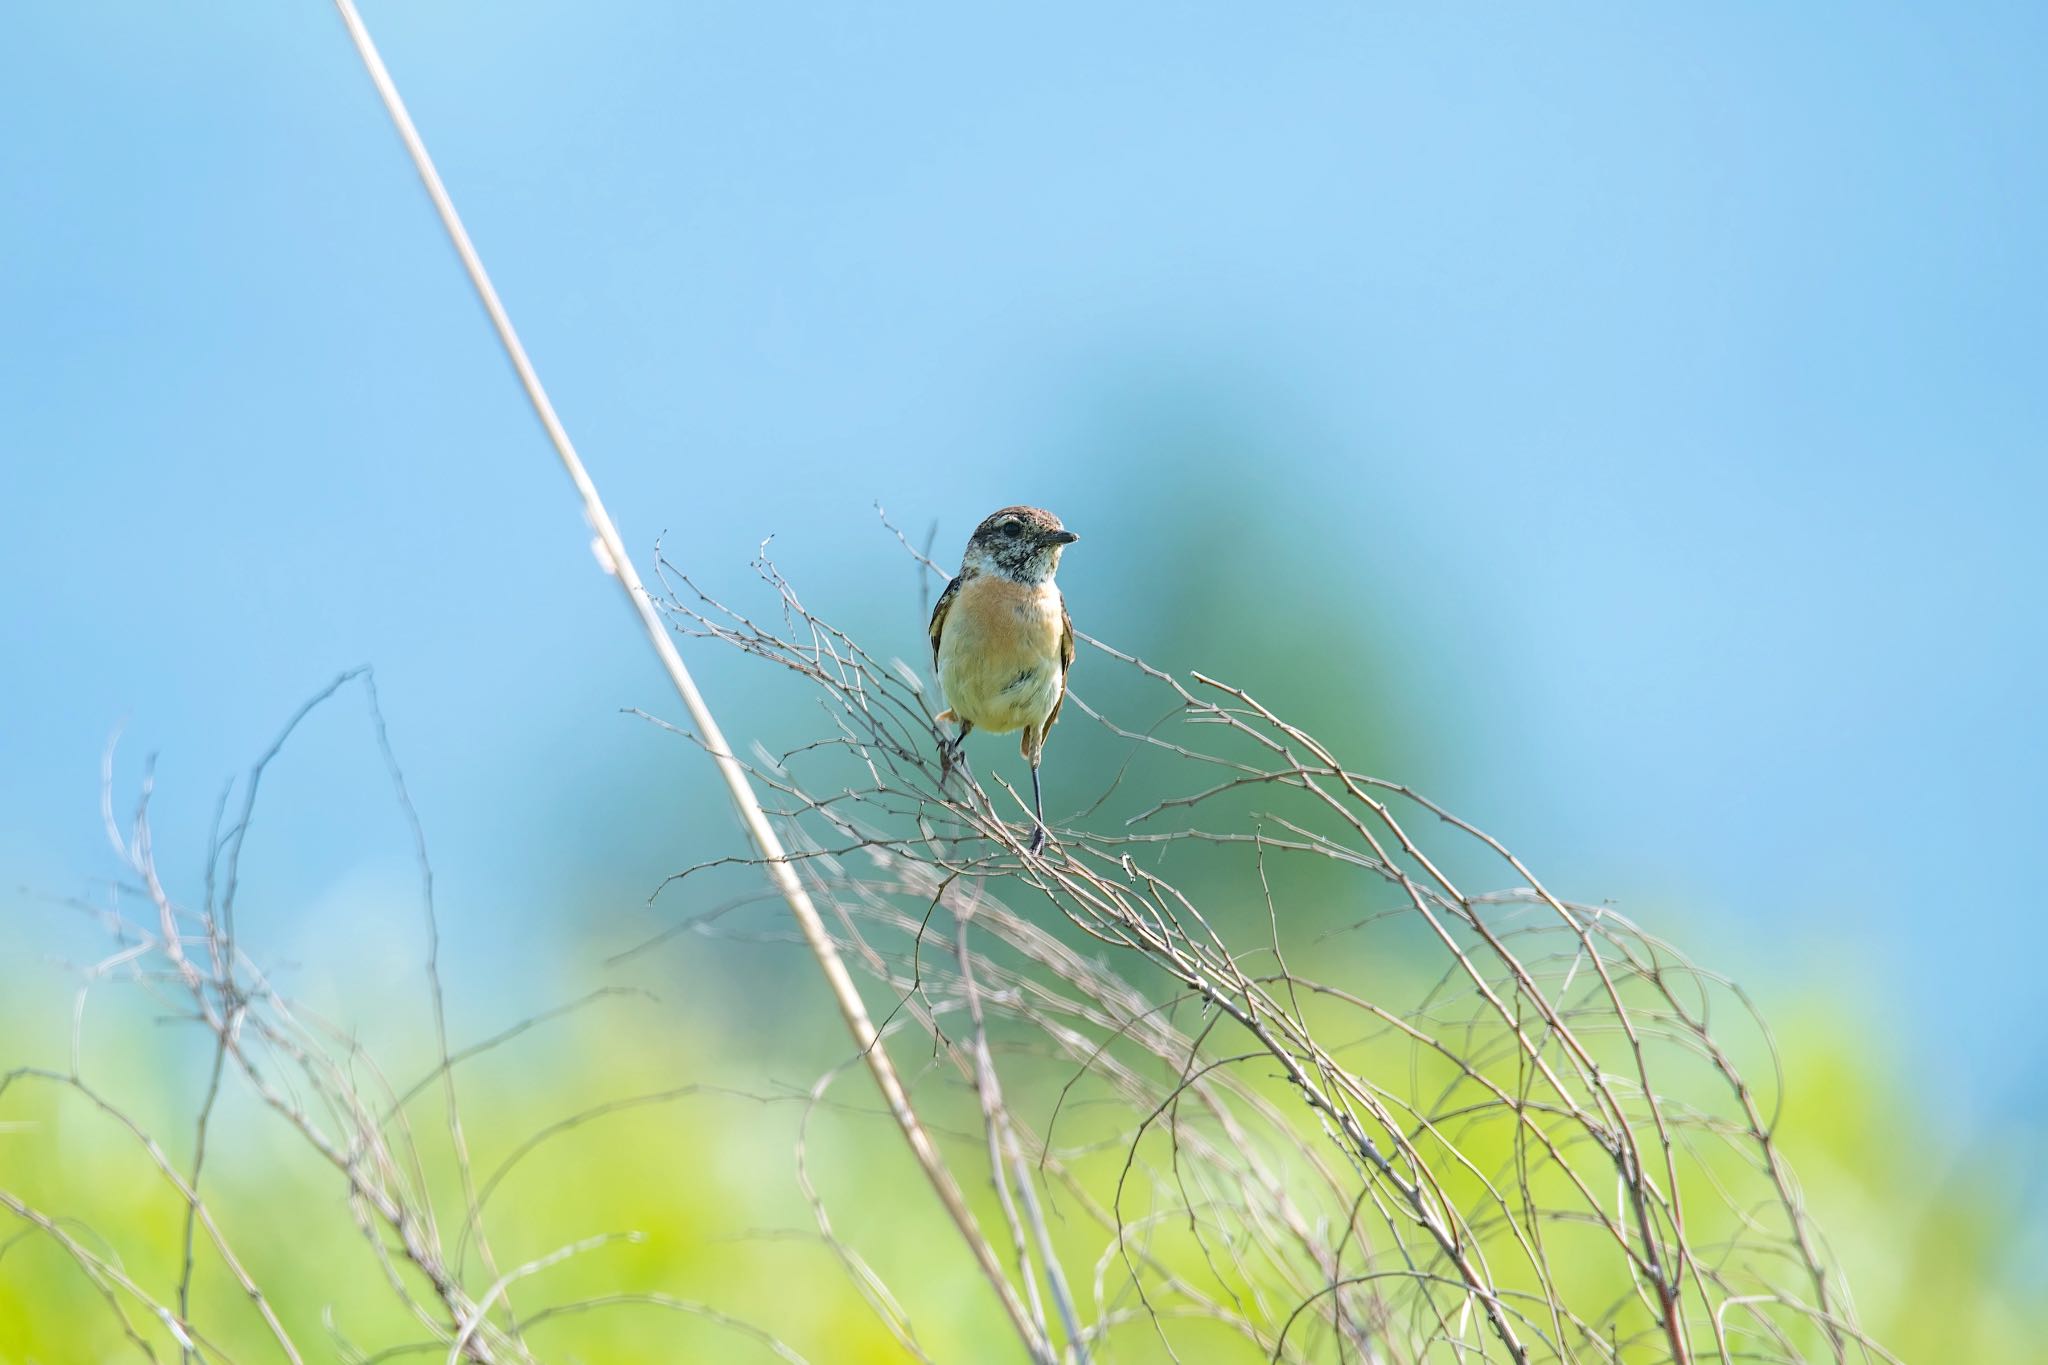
1002,642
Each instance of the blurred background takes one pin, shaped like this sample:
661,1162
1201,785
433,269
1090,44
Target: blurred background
1626,427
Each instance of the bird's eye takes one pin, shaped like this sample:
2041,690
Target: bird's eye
1013,529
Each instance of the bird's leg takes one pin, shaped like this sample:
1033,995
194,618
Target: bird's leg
949,750
1037,812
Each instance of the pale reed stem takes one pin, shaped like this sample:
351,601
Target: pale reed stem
738,787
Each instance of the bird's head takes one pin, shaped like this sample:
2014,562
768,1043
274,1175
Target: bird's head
1022,544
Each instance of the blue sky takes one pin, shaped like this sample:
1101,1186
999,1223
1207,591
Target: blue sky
1668,386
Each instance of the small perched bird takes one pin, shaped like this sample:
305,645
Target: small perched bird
1001,639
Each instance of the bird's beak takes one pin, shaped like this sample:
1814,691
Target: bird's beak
1060,537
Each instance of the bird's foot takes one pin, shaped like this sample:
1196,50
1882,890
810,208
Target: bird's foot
953,759
1037,840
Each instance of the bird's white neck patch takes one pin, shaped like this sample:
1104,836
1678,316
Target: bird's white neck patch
1032,569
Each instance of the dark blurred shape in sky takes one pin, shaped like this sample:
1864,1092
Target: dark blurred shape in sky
1645,411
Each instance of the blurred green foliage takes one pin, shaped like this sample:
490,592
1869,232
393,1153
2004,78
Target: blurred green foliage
703,1171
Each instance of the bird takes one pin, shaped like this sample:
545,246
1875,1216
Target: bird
1002,642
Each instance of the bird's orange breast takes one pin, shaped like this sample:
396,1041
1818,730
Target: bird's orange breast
999,653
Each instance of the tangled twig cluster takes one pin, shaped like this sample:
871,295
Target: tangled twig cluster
336,1100
1458,1125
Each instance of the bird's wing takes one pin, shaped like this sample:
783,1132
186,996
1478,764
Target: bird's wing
939,610
1066,666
